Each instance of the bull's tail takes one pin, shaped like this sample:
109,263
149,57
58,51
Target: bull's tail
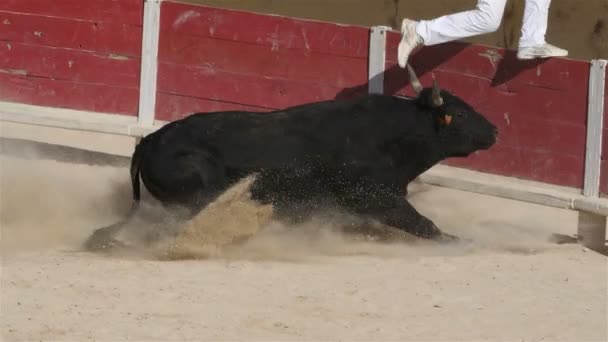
135,167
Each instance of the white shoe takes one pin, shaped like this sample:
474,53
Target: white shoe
410,39
541,51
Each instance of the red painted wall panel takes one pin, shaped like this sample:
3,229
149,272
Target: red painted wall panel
223,59
551,168
604,177
259,61
274,32
251,90
67,94
176,107
540,107
103,37
116,11
72,54
71,65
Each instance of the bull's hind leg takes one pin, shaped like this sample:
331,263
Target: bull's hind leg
185,180
399,213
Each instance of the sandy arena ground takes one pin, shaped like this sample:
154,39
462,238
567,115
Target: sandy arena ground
311,284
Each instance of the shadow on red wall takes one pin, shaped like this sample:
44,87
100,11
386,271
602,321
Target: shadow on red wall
431,58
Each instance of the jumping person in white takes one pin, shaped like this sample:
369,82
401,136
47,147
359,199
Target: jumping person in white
485,18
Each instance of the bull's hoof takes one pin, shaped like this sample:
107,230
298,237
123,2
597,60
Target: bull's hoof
445,238
562,239
102,243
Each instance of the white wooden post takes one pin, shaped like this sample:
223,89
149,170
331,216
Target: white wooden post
592,227
377,59
149,64
595,121
592,230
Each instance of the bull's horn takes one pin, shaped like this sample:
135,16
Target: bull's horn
414,80
437,99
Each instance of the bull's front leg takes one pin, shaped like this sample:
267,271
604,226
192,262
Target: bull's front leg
399,213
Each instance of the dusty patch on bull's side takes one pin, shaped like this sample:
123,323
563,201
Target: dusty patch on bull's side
236,227
232,218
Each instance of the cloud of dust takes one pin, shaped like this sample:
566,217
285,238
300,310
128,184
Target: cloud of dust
51,205
47,204
495,224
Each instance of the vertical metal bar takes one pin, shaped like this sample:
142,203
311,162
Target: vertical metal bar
377,59
149,64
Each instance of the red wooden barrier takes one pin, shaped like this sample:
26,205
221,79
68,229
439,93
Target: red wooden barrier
540,107
87,55
214,59
71,53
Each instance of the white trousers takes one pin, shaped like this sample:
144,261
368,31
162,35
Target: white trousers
486,18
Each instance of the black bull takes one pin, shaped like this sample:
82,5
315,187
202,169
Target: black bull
358,154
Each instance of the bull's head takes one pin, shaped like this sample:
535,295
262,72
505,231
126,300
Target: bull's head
462,129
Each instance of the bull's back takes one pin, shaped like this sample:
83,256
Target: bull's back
329,132
260,140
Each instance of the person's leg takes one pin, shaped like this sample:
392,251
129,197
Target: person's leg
485,18
532,43
536,15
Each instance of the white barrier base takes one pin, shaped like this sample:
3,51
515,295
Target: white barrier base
515,189
73,119
592,230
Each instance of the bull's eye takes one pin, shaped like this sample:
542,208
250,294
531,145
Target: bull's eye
460,114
